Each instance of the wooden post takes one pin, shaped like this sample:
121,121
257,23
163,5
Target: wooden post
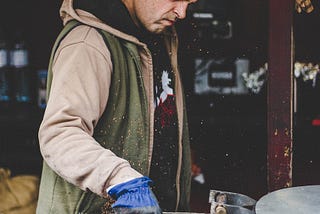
280,94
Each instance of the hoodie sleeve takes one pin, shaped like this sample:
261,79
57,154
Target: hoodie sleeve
78,97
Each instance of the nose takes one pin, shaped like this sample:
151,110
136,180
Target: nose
181,9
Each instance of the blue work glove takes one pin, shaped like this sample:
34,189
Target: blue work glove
134,196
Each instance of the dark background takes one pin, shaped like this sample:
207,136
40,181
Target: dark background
228,132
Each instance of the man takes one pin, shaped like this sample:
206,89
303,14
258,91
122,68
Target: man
115,111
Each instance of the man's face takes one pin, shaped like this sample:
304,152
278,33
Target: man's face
157,15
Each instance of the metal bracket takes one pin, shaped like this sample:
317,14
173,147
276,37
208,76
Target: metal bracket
223,202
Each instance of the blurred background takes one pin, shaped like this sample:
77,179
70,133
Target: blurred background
223,60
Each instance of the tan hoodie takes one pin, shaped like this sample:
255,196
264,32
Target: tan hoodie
82,70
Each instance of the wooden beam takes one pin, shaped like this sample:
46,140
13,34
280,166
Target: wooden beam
280,94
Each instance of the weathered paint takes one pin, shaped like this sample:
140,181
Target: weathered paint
280,94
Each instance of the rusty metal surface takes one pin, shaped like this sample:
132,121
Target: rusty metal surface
294,200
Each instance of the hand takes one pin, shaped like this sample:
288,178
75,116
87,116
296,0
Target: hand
134,196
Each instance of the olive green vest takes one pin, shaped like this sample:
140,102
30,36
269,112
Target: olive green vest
128,113
124,121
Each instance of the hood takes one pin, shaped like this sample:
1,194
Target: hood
111,12
68,12
92,15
